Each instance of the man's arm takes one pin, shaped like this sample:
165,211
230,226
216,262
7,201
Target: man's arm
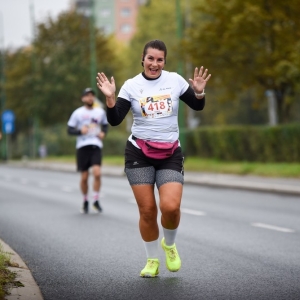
104,128
73,131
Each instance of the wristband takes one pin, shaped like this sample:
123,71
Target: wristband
200,95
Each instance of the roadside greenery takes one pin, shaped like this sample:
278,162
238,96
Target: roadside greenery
7,278
249,47
291,170
46,79
196,164
280,144
246,143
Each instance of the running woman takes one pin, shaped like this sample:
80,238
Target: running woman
153,97
90,125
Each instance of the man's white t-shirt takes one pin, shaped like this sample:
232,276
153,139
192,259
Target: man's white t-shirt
154,105
93,118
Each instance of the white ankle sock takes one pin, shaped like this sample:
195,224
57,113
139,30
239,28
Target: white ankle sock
170,235
151,249
95,196
85,198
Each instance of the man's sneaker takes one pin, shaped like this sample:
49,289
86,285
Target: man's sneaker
85,207
151,269
173,261
97,206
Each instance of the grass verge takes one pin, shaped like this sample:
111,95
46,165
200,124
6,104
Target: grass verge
7,277
289,170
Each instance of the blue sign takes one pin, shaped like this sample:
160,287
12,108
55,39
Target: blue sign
8,121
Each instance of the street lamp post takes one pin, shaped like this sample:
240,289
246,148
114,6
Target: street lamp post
4,140
180,72
34,98
93,61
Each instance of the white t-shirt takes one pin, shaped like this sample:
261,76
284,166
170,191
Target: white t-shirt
93,118
154,105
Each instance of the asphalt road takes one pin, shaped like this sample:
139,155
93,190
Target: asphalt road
233,244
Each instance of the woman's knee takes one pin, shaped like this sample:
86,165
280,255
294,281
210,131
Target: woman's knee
148,214
170,208
170,199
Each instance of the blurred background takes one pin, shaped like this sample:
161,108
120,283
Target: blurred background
251,48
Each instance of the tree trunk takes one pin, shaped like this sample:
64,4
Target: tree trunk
272,107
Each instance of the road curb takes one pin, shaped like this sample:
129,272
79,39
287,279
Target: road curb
244,184
31,290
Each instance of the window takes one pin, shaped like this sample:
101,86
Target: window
125,12
105,13
125,28
107,29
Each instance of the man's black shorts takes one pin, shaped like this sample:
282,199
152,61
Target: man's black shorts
88,156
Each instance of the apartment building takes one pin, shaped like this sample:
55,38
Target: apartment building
113,16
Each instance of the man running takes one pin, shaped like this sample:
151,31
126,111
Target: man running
90,125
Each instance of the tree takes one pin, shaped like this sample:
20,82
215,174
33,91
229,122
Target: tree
19,84
249,44
155,20
46,79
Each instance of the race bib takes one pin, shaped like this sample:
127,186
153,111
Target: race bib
94,129
156,106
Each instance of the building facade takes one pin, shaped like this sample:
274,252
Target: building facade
113,16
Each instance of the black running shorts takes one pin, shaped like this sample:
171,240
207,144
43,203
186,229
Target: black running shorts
135,158
88,156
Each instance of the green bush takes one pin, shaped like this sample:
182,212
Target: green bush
58,142
246,143
231,143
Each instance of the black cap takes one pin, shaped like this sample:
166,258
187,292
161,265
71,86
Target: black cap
88,90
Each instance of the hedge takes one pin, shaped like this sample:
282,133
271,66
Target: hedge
246,143
229,143
59,143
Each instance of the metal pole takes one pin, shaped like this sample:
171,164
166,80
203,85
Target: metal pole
4,136
93,61
181,120
34,100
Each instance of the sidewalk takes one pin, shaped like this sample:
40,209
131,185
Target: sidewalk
246,182
30,290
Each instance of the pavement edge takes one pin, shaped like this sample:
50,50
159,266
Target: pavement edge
31,290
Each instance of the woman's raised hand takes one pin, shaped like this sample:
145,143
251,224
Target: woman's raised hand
200,80
106,87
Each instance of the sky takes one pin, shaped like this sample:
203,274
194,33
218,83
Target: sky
15,23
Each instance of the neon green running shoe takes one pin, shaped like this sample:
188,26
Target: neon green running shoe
151,269
173,261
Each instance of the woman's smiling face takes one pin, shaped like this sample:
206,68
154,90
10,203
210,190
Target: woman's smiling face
154,62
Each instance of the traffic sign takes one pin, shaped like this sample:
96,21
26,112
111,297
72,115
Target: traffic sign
8,121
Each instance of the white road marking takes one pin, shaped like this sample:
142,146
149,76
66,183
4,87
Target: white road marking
67,189
272,227
193,212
